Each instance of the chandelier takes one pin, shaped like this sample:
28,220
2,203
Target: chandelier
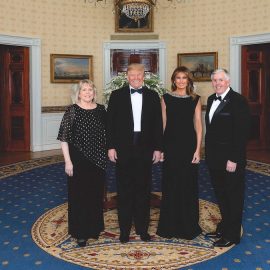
136,9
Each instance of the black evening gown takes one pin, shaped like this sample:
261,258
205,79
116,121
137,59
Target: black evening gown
84,130
179,212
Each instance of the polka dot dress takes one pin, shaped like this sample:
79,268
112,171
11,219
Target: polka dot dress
85,130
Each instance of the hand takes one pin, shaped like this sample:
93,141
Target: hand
112,154
161,157
69,168
196,158
231,166
156,157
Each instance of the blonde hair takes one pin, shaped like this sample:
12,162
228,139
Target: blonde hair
135,66
78,88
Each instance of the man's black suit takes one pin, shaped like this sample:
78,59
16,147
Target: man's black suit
134,161
225,139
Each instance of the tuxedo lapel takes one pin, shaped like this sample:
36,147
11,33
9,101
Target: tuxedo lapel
144,97
210,102
222,104
127,101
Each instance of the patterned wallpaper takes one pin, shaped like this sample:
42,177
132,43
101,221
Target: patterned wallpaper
76,27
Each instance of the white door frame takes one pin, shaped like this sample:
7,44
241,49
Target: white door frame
235,55
34,85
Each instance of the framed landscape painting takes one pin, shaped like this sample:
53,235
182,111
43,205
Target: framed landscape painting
201,65
69,68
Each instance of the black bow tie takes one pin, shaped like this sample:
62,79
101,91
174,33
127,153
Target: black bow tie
139,91
218,98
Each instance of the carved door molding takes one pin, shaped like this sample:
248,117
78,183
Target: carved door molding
14,98
256,88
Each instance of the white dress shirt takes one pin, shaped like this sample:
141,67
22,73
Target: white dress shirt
216,103
136,102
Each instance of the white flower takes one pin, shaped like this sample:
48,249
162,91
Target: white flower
151,80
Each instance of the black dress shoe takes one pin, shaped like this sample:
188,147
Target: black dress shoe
124,238
222,242
81,242
95,236
145,237
214,235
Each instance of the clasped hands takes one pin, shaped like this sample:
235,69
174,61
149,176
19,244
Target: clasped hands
196,158
112,154
231,166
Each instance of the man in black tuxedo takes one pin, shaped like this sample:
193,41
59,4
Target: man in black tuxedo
227,124
134,133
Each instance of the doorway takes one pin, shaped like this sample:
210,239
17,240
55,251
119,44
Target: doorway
151,53
34,45
14,98
236,44
256,88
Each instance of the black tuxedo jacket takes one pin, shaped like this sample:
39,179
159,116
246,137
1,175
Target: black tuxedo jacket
120,125
227,134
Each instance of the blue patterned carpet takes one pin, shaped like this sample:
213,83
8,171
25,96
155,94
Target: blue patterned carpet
28,194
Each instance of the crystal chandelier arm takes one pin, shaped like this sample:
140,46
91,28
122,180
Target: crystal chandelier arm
119,4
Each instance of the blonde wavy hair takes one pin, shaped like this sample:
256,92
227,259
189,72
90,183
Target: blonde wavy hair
78,87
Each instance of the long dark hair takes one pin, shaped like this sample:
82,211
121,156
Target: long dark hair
190,87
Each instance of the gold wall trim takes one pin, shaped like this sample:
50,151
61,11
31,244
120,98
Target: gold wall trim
53,109
134,37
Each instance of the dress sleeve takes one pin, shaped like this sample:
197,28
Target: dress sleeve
66,126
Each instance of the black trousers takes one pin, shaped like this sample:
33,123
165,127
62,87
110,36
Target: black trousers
133,178
229,189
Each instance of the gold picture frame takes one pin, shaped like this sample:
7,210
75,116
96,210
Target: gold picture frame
70,68
201,65
123,24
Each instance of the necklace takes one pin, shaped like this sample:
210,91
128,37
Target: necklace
177,95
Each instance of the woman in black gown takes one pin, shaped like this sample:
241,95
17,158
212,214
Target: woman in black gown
82,136
182,124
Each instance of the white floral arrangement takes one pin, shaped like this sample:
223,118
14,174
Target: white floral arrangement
152,81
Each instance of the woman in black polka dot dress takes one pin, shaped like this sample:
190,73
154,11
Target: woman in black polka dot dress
82,136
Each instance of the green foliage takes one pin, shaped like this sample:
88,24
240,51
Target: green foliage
151,80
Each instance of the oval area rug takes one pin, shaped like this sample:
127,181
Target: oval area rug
50,233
